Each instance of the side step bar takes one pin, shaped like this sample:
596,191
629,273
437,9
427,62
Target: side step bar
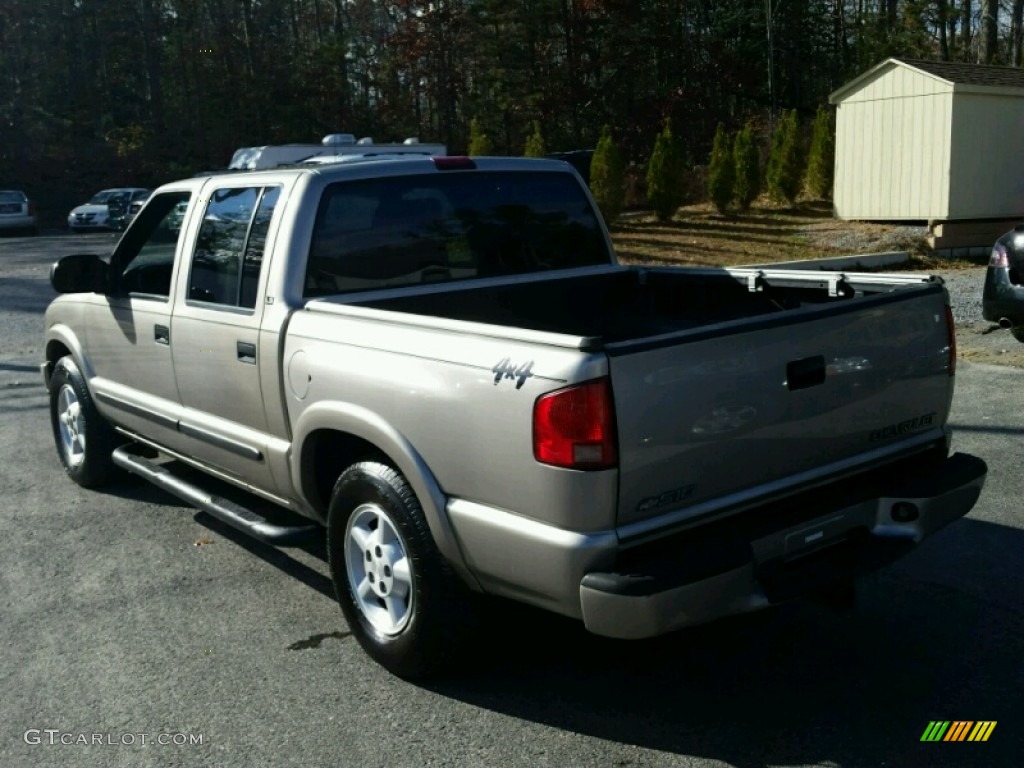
224,510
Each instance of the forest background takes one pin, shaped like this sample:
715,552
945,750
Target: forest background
97,93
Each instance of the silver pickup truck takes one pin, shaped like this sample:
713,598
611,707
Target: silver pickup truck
440,361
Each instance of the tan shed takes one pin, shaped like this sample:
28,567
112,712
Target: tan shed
930,140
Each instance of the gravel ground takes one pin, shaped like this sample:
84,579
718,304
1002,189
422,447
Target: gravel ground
964,288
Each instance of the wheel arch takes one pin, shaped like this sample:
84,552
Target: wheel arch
60,342
329,437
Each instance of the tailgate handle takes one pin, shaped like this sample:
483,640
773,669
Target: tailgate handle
808,372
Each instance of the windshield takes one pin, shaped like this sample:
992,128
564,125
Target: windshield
437,227
12,197
106,196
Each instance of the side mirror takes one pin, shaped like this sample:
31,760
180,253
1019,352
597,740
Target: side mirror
80,273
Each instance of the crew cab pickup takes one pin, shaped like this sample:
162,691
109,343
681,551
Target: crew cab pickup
440,362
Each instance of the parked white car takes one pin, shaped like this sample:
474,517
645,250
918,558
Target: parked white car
98,213
16,211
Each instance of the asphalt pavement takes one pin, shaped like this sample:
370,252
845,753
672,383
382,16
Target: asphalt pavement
138,632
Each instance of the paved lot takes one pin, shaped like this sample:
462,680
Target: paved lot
126,615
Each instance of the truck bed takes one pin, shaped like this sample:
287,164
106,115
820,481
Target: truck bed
635,303
730,386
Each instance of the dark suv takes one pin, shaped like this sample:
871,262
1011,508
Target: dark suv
1002,299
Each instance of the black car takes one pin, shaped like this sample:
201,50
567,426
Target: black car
1002,300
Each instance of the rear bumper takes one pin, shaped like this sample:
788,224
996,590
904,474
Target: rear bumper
9,221
814,540
1001,298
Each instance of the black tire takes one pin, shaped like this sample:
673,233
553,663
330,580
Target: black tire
437,608
1018,333
83,438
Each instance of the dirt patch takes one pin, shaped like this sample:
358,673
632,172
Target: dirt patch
981,342
700,236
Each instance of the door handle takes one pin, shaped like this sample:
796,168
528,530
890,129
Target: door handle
246,352
808,372
161,334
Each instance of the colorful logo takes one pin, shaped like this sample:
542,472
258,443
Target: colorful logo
958,730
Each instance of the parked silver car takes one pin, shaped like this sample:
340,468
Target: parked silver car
16,211
106,209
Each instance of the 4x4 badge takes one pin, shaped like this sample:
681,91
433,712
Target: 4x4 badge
506,369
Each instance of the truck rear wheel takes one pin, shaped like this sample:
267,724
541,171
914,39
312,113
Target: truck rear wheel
84,439
406,608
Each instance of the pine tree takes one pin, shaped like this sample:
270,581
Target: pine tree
664,190
479,142
748,167
607,180
535,144
785,165
771,172
821,162
721,171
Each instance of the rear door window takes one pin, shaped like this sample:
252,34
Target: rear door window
450,226
228,257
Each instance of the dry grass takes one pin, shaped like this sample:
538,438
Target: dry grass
700,236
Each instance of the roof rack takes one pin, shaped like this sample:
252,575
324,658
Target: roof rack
332,145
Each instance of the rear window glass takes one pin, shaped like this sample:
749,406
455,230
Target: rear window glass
229,249
378,233
12,197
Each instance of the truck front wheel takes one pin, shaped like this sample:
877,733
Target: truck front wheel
406,608
84,439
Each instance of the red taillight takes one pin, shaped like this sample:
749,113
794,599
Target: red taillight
999,257
951,338
31,208
455,163
575,427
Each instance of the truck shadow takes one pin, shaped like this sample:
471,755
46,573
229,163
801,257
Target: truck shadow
277,557
137,489
937,636
796,685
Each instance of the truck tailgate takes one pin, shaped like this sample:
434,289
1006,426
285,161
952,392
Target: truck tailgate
729,413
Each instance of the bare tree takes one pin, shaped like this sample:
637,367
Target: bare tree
1016,32
965,30
988,50
943,9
